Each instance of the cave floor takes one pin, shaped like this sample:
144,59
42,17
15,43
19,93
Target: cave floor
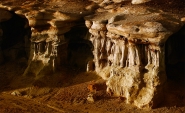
66,92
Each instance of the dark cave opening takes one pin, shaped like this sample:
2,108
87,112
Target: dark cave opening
15,43
175,56
79,50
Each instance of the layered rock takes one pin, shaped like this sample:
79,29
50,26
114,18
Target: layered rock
129,51
48,28
49,23
129,42
103,2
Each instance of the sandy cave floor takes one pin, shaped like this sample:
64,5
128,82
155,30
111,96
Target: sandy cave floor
66,92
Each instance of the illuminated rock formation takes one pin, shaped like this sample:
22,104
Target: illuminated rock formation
129,51
128,40
47,37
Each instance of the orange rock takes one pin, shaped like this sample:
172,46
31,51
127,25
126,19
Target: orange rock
97,86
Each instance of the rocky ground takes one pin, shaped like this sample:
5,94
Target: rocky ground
67,92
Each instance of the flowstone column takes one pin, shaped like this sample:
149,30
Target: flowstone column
130,55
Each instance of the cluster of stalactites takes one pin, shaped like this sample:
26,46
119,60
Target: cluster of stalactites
47,48
114,50
101,2
120,52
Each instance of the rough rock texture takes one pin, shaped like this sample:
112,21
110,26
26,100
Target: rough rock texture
103,2
49,23
129,41
129,51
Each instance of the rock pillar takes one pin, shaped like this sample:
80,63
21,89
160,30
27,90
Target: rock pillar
129,52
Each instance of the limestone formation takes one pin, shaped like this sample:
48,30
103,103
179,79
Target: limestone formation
129,51
119,1
48,45
128,41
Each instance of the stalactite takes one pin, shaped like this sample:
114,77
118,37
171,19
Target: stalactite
42,46
122,61
158,59
148,56
116,53
35,48
137,59
103,54
152,53
108,46
134,41
97,44
47,48
131,54
103,43
97,53
54,51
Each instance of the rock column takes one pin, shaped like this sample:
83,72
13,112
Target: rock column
47,38
130,53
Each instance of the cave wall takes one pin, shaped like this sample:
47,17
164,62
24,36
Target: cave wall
127,45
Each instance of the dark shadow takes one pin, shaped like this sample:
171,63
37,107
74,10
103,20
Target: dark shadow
174,92
14,48
175,56
79,50
15,39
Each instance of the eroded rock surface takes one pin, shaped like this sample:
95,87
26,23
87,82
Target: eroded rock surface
129,41
49,21
103,2
129,51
